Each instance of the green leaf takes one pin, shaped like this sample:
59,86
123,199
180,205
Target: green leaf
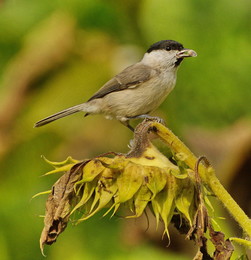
115,206
242,257
142,197
78,188
89,188
208,203
214,222
86,209
181,156
155,180
165,201
178,174
184,198
96,198
68,160
91,206
91,170
64,168
106,190
41,193
129,181
156,210
241,241
129,205
117,163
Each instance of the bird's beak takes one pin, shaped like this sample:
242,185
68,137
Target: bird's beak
186,53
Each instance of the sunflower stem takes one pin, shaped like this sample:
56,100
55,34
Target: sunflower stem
207,175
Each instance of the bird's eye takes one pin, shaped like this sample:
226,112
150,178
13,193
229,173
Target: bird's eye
168,48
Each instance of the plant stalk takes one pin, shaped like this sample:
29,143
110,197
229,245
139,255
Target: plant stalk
207,175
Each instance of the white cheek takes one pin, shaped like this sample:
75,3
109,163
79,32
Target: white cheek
160,58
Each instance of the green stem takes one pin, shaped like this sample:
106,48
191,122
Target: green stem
208,176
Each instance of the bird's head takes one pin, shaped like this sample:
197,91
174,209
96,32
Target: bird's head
167,53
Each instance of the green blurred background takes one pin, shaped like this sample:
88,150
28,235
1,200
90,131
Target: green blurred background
55,54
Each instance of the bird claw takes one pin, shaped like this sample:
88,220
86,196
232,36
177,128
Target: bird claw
155,118
145,117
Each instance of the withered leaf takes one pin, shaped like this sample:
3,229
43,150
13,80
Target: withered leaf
202,253
59,205
223,248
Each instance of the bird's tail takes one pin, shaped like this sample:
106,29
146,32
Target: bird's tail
60,114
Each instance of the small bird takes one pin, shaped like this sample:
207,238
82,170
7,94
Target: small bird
138,89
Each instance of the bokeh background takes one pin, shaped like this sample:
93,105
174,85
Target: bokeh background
55,54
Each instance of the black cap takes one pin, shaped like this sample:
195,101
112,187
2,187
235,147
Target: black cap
166,45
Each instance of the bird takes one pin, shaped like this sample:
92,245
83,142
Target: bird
138,89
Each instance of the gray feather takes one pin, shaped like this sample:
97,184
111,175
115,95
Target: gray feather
59,115
130,77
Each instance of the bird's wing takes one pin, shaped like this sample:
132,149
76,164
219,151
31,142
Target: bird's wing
130,77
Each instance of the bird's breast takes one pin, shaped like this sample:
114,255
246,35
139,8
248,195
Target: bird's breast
141,99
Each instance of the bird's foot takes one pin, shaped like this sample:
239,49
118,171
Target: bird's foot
150,118
145,117
127,124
